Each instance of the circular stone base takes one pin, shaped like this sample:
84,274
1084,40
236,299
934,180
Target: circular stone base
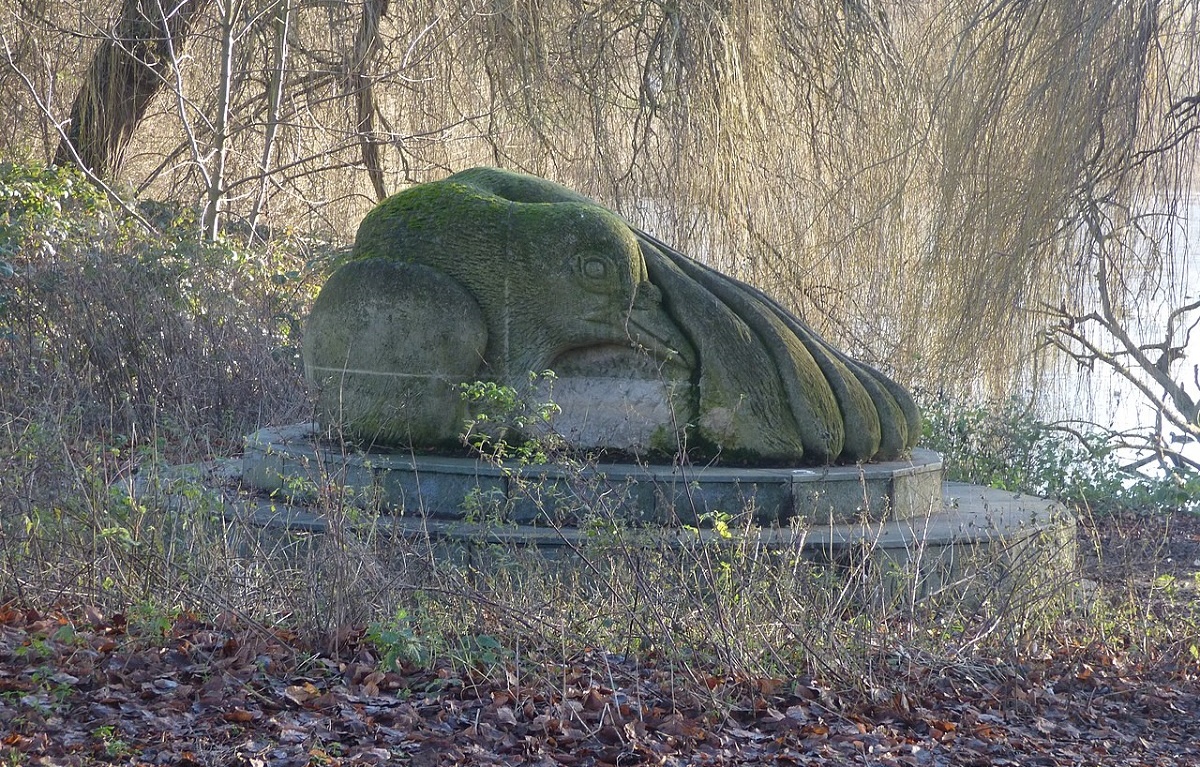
969,542
293,463
980,543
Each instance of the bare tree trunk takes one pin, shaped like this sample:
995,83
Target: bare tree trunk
275,90
366,42
229,9
127,71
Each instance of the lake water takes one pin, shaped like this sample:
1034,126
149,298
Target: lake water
1109,401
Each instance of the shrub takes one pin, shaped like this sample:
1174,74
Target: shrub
120,326
122,348
1007,446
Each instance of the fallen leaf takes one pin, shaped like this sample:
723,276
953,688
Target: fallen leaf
301,693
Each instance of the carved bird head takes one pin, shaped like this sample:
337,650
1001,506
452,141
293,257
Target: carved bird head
552,277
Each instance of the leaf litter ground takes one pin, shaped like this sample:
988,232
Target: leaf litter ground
78,687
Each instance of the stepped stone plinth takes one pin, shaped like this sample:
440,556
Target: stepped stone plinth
896,516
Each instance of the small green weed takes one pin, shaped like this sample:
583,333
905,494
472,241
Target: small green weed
153,619
506,426
114,747
397,642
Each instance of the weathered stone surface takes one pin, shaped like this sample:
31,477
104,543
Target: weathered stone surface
289,461
388,344
493,275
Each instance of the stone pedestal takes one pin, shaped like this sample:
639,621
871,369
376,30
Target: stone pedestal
293,461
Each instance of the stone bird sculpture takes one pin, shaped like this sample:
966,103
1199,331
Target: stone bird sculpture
492,275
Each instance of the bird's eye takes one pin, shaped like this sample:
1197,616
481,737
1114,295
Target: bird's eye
594,268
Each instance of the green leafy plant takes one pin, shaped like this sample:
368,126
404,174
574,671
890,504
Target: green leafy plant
483,652
397,643
114,747
1007,446
505,426
31,191
153,619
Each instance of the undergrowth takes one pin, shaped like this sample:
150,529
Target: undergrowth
1007,446
124,351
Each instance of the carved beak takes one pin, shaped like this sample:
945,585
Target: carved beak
650,327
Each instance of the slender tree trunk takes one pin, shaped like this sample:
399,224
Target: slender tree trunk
230,9
275,90
366,43
129,68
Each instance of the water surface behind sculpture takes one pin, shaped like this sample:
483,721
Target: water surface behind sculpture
490,275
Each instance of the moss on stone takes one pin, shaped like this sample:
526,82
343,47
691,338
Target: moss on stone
551,273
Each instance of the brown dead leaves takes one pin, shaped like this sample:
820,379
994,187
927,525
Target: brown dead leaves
86,688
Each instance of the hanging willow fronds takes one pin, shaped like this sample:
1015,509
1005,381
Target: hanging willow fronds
913,177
